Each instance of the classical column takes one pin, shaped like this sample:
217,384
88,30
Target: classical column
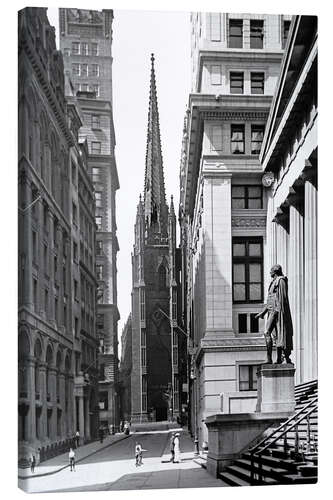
87,418
72,424
310,282
296,283
62,404
53,398
43,398
31,393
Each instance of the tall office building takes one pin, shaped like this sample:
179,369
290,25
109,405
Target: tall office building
223,203
86,44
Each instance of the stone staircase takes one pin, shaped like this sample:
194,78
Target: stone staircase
285,457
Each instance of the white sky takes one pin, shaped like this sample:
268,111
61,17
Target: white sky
136,34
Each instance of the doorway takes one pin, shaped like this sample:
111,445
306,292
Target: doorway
161,414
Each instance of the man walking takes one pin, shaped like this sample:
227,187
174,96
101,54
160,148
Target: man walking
32,463
71,456
172,447
138,454
279,327
77,439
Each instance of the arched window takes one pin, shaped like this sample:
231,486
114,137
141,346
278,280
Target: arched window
38,356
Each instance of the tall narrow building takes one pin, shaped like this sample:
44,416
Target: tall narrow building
86,44
154,390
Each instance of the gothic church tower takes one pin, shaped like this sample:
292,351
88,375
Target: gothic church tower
154,381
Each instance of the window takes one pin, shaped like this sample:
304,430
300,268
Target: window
84,49
75,48
76,69
67,52
243,323
235,33
257,83
236,83
84,87
94,49
247,267
95,174
64,279
98,220
248,377
55,267
76,327
56,309
74,213
94,70
34,247
95,122
256,34
45,258
162,275
95,148
99,272
99,247
237,139
35,291
286,27
257,135
46,301
98,198
84,69
95,88
248,197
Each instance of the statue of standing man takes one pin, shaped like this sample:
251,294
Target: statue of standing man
279,327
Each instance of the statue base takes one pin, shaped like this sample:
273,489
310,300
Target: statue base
276,388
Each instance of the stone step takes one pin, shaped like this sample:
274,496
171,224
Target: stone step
232,480
243,474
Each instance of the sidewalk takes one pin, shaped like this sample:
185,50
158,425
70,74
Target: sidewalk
60,462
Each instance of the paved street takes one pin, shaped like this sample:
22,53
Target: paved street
113,468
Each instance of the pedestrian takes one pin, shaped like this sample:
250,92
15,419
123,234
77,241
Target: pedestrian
101,434
32,463
121,426
172,447
138,454
176,449
71,456
77,439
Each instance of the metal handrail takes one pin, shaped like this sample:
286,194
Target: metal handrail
288,428
252,450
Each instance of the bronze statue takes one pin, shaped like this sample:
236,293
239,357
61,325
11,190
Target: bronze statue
279,327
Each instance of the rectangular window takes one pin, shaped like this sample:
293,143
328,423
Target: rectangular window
94,70
236,33
286,27
247,267
215,75
76,69
95,148
248,377
99,248
242,323
99,272
94,49
237,139
95,88
76,327
98,220
95,122
246,197
84,69
257,135
84,87
256,34
35,291
254,323
55,267
98,199
34,247
76,290
257,83
64,279
46,301
75,251
56,309
45,258
74,213
84,49
95,174
75,48
236,83
73,173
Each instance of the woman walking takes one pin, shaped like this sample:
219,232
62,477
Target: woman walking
71,456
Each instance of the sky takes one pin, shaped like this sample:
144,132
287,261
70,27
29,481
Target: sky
137,34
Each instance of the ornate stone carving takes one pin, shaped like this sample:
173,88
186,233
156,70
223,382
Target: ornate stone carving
248,221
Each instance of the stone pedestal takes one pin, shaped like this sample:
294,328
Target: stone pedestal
230,435
276,388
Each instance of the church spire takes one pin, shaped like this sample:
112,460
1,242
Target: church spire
156,210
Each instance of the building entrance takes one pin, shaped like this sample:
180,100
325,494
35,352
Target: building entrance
161,414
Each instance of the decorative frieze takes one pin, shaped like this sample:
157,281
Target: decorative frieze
234,115
245,222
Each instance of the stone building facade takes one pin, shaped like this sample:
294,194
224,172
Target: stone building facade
86,44
235,67
156,389
51,360
125,371
289,161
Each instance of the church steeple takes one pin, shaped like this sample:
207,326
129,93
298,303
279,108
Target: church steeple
155,207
